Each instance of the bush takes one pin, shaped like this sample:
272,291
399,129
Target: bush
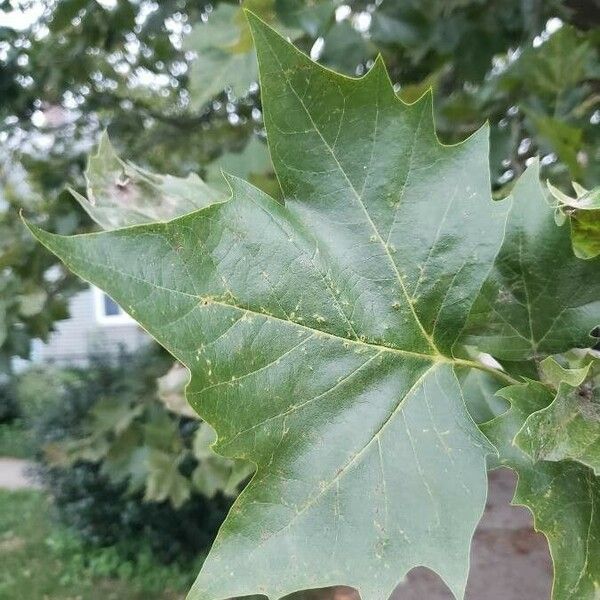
9,407
104,514
122,469
40,389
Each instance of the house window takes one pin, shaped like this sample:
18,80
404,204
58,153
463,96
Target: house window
107,311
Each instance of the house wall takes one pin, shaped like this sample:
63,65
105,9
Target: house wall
87,331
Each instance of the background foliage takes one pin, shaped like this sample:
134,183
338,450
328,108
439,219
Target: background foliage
118,463
175,83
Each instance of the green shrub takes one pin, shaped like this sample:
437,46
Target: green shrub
122,469
40,388
9,407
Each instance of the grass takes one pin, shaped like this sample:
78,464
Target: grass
15,440
40,560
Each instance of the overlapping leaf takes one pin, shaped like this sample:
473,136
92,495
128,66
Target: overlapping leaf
569,428
540,299
226,58
583,213
121,194
563,497
319,334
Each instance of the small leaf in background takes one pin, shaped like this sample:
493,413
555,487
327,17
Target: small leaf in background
215,473
121,194
171,390
569,428
583,213
226,58
165,481
253,164
312,16
563,497
112,415
32,303
344,48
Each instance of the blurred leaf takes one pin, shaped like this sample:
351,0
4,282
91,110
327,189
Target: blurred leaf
215,473
165,481
121,194
112,415
312,16
171,390
250,164
32,303
226,58
345,48
564,139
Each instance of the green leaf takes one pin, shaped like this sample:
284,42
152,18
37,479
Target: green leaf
554,373
583,212
319,333
569,428
225,55
563,497
165,481
121,194
540,298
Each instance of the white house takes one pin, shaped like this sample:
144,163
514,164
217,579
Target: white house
96,324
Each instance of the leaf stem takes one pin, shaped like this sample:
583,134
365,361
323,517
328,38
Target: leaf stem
497,373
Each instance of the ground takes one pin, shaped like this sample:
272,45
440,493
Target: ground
40,561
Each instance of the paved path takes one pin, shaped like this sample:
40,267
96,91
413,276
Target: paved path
14,474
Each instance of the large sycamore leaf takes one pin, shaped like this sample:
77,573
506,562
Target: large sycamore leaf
569,428
319,334
540,299
120,194
564,497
